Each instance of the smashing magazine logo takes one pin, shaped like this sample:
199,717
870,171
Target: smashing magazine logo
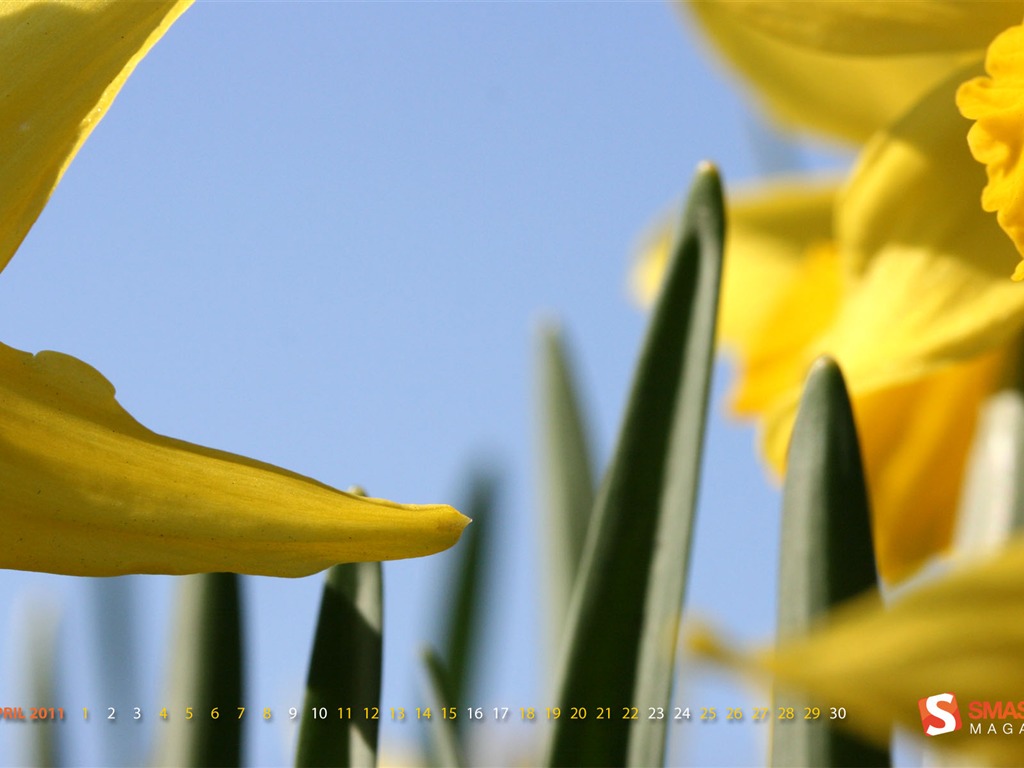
939,714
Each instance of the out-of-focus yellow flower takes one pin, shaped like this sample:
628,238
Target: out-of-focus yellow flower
847,69
84,488
997,138
960,633
898,274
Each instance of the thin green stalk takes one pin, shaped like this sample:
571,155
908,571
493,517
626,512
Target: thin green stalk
343,685
623,619
445,743
567,476
464,616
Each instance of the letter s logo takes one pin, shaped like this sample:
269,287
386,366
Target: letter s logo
939,714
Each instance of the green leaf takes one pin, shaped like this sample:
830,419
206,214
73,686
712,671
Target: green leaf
464,615
43,624
344,670
567,476
445,747
826,555
623,620
206,676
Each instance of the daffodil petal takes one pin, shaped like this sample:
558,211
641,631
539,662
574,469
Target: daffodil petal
961,634
872,29
774,301
915,447
928,270
770,228
847,97
62,65
88,491
997,138
774,357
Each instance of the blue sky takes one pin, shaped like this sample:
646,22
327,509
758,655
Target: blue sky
324,235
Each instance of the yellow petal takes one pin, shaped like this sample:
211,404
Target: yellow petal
62,64
873,29
997,138
775,356
89,491
768,232
927,281
960,634
848,97
776,297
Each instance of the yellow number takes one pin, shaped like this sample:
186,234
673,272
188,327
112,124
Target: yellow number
266,713
527,713
733,714
85,713
214,714
553,713
708,713
811,713
786,713
241,711
372,713
188,713
425,713
449,713
630,713
163,713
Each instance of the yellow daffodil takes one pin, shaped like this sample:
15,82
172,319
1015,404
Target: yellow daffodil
84,488
898,274
996,139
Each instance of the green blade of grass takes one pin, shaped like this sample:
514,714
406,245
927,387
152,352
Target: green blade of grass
49,748
826,556
624,613
445,747
344,671
204,726
464,613
567,476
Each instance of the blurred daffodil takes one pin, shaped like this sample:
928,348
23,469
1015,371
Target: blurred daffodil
960,633
851,70
898,273
848,69
996,103
84,488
